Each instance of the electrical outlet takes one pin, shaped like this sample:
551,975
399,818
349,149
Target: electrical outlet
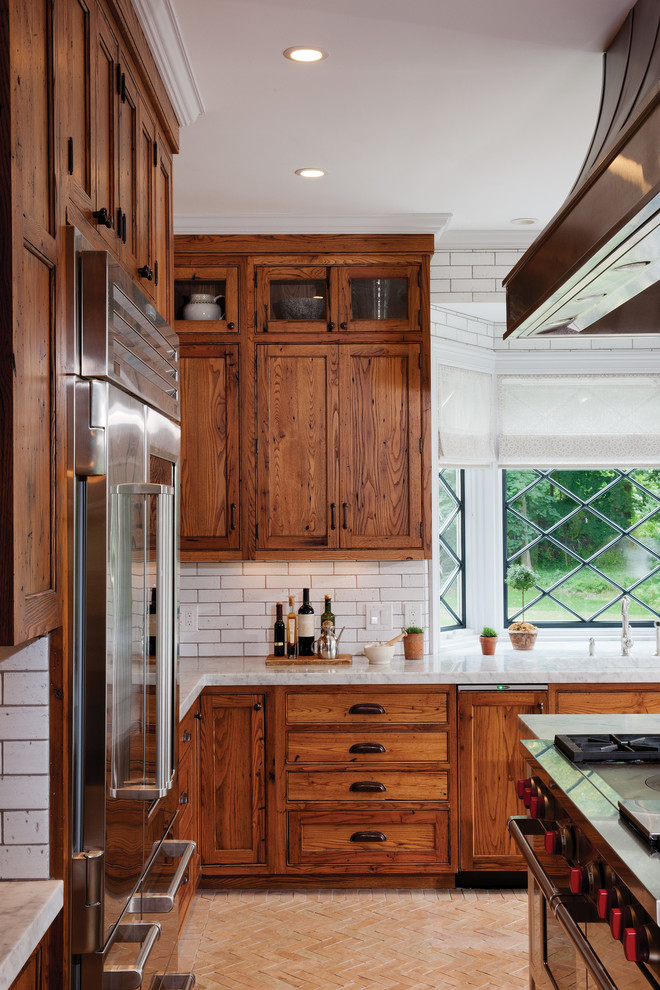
412,614
188,618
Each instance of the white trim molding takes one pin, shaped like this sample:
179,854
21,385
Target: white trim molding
487,240
290,223
161,27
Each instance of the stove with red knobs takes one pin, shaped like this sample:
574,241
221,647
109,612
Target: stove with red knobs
589,831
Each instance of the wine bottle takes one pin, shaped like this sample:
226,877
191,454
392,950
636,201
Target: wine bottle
152,623
305,627
328,616
278,632
291,629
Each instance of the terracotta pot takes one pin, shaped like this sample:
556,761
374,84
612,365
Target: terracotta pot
488,644
413,646
523,639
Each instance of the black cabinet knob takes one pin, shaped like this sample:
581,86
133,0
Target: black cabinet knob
186,735
258,706
231,326
103,218
146,272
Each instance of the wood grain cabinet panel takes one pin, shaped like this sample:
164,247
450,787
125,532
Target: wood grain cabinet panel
233,799
373,786
367,746
360,840
490,763
594,699
297,416
381,446
377,707
210,449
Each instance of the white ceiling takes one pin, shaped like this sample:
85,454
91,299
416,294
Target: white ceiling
482,109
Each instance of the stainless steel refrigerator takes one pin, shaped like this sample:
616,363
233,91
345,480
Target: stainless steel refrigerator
123,524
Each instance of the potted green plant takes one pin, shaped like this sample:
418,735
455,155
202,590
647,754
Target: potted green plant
413,643
488,641
522,634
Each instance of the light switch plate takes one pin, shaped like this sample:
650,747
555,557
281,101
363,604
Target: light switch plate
378,616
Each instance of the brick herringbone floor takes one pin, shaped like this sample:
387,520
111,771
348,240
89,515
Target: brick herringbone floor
357,940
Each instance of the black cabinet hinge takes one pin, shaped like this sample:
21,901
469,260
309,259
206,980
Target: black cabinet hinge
419,317
421,531
155,154
255,278
419,360
118,78
420,445
256,531
70,156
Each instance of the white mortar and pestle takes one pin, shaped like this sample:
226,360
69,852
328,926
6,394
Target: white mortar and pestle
382,653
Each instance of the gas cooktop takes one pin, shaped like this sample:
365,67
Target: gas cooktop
608,747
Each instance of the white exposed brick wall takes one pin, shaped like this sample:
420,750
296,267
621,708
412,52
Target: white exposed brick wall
236,601
24,762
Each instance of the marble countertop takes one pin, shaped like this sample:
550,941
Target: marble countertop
27,910
553,663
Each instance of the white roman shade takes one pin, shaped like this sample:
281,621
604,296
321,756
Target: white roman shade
578,420
466,435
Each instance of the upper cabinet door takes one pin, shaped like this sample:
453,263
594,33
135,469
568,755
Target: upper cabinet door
126,219
381,446
297,423
163,269
210,450
77,160
205,301
105,130
380,298
296,299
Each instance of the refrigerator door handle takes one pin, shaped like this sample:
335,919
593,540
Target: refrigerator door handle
130,977
124,783
160,902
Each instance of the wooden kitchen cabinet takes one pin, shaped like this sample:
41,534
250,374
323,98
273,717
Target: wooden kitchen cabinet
490,763
188,780
233,786
592,699
43,970
214,280
210,448
335,396
339,464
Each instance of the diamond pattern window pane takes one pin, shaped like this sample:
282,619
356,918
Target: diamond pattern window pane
609,519
450,552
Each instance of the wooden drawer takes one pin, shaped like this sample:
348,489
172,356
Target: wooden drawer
369,706
364,838
376,786
366,746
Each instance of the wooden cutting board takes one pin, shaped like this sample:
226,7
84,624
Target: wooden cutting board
341,658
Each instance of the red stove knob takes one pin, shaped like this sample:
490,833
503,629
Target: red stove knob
603,903
636,944
552,842
523,783
616,922
577,879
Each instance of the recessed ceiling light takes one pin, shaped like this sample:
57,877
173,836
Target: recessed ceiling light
299,54
310,173
524,221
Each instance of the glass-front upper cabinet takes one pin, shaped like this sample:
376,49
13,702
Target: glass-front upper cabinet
205,300
296,298
379,297
338,298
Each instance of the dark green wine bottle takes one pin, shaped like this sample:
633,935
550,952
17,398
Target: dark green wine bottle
328,616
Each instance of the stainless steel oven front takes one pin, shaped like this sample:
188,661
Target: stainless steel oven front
586,929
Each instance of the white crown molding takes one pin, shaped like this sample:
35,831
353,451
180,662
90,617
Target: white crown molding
161,27
459,355
290,223
492,240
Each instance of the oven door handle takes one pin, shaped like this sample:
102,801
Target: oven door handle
596,970
520,827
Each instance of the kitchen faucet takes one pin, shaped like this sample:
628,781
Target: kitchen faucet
626,639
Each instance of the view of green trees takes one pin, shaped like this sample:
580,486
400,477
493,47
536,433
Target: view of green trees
591,536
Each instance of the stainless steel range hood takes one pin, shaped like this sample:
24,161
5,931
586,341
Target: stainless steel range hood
595,269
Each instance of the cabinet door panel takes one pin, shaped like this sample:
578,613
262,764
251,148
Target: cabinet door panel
233,786
80,99
33,109
144,206
380,436
379,298
490,763
127,165
297,416
105,121
209,451
575,699
163,260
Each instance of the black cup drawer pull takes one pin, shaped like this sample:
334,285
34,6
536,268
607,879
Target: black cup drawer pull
367,786
368,836
367,747
366,708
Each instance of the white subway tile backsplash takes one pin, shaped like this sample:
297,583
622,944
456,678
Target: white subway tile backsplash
20,685
25,827
24,862
27,756
24,722
20,792
251,580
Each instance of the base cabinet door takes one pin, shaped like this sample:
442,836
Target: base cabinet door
591,699
233,799
490,763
